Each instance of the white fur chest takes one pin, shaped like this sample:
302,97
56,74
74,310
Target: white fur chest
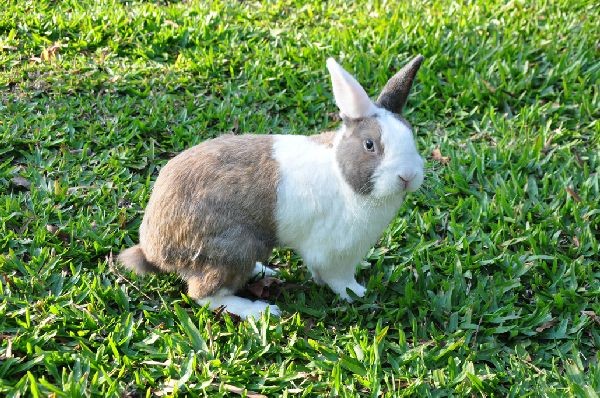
317,213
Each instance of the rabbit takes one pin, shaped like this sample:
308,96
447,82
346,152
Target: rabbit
219,208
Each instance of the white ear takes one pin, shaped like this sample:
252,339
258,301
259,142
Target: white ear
349,95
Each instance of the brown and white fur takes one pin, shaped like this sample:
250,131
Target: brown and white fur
218,209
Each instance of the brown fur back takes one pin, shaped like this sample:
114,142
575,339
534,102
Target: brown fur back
211,214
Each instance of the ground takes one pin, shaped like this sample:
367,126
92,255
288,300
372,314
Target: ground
487,283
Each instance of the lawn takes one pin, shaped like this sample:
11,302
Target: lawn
487,283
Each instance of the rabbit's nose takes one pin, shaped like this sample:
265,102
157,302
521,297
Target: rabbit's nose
406,176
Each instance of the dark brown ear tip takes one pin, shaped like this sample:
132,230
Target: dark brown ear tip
417,61
395,92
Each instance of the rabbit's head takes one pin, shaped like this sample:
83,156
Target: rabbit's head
375,148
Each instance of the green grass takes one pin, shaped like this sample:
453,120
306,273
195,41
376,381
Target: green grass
487,283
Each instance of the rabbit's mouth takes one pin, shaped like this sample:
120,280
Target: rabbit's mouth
410,182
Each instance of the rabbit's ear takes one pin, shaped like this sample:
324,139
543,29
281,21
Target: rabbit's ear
349,95
395,93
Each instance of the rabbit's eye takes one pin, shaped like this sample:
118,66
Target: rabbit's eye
369,146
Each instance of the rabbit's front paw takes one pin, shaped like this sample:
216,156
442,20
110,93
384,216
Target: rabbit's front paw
358,289
341,287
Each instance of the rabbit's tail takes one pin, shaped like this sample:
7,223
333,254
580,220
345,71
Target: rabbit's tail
135,260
